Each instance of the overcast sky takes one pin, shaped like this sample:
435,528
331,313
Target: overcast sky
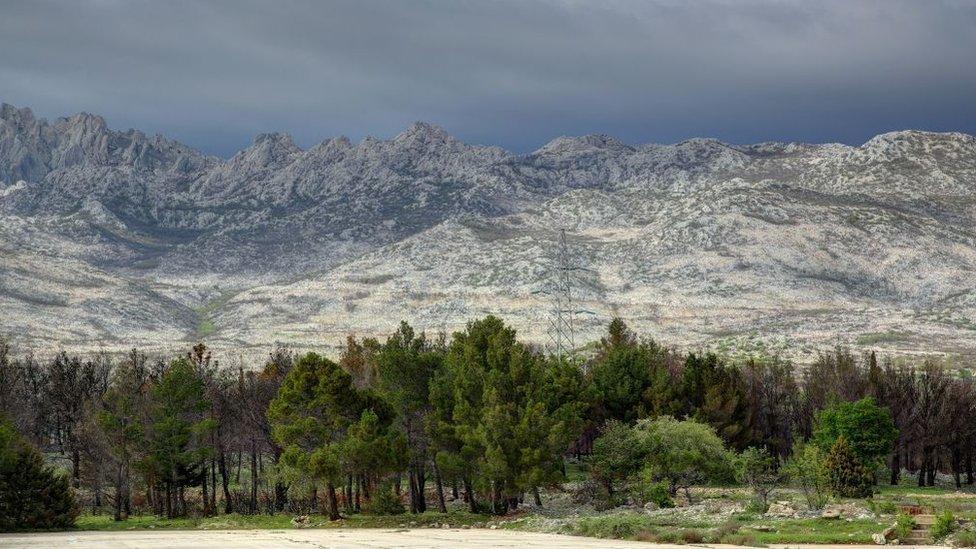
515,74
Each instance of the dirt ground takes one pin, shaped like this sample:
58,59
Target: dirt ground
324,539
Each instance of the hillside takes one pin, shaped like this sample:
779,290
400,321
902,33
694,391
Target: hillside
112,239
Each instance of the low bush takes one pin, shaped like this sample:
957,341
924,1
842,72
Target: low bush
883,507
904,526
965,538
748,540
668,536
756,506
727,528
649,536
945,524
616,526
384,502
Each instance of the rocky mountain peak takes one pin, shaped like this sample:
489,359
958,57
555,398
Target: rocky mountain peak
423,132
267,149
584,144
84,122
19,116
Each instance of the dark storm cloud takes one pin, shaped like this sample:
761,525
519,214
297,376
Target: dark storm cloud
510,73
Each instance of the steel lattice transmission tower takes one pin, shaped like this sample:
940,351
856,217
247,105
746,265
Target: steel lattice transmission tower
562,280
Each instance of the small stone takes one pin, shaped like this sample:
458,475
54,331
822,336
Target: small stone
650,506
781,509
830,513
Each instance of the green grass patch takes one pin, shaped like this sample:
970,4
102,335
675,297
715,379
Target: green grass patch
205,328
276,522
205,313
819,531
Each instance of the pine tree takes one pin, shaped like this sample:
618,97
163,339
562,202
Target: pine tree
714,393
405,365
311,417
498,424
179,433
629,377
31,495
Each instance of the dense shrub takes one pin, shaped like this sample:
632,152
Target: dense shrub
683,453
645,489
848,477
32,496
868,429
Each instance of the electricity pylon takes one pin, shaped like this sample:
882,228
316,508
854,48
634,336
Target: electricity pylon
562,279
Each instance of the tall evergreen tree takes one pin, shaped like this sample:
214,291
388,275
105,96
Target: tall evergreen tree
311,417
179,433
405,365
713,392
496,415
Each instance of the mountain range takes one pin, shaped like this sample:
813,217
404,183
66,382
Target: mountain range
113,239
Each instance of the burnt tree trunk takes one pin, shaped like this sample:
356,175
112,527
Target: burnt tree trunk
895,467
253,505
225,481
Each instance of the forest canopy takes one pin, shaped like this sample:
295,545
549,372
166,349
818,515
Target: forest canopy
478,417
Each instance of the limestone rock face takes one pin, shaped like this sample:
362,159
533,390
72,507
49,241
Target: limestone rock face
113,239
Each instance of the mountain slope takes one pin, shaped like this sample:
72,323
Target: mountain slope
794,246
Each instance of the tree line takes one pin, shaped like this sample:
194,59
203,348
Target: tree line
479,417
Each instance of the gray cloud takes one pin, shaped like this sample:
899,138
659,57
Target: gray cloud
513,73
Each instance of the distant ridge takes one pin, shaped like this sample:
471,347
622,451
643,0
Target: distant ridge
112,239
